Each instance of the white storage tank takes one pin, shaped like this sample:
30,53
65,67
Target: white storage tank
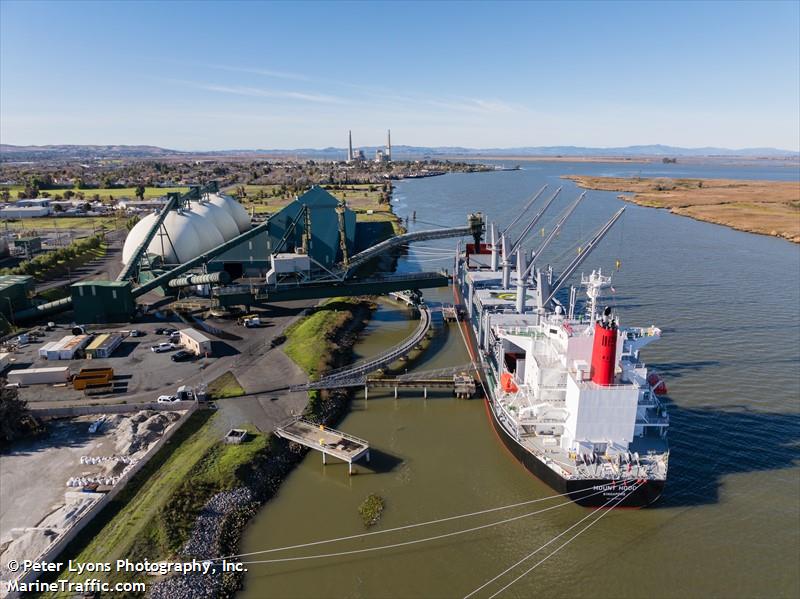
188,232
219,216
234,208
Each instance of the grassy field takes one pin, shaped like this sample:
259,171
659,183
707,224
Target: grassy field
88,223
359,197
152,517
104,193
765,207
225,385
310,342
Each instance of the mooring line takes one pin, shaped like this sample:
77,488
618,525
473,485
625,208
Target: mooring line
615,500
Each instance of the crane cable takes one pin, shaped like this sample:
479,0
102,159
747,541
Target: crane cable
393,545
616,500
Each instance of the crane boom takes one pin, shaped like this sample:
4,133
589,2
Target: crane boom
534,220
524,210
578,260
553,233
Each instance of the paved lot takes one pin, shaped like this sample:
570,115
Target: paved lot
141,375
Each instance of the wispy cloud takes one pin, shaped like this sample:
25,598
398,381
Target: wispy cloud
475,105
260,71
260,92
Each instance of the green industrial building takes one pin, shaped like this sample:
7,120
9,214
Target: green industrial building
30,246
15,292
326,218
103,301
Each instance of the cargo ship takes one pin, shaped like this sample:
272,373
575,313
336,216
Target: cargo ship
567,393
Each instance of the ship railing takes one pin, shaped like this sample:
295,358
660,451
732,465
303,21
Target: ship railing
528,331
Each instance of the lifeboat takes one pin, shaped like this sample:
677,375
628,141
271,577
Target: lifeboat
659,386
507,383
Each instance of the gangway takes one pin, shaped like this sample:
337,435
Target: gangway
354,374
474,228
326,440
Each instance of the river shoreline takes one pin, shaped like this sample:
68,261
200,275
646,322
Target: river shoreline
761,207
219,527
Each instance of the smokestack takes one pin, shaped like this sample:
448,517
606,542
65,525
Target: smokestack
604,350
389,144
349,146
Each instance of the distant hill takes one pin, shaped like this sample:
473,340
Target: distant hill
10,153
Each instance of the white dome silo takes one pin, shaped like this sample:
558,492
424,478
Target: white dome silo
219,216
136,236
208,234
179,239
234,208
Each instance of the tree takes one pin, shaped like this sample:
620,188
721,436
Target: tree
140,192
15,419
5,195
58,208
68,194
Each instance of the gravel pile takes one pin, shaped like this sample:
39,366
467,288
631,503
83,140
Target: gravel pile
223,513
204,540
191,586
136,432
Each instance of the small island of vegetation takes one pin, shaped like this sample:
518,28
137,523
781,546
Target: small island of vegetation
371,509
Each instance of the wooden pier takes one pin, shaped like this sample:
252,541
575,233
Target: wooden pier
326,440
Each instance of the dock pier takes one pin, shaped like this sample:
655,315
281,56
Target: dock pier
326,440
463,385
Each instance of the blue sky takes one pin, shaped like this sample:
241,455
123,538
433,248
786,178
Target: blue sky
224,75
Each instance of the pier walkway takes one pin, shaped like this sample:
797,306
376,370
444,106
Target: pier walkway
354,374
326,440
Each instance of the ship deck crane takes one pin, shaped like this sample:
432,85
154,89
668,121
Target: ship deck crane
552,234
534,220
578,260
523,211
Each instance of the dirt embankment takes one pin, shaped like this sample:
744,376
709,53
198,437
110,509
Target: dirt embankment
764,207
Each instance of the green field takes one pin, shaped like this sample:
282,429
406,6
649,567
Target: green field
152,517
118,193
89,223
262,198
310,342
225,385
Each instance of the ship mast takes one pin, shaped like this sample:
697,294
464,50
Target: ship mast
594,284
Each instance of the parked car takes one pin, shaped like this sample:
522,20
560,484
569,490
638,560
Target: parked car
160,331
182,356
137,333
167,398
161,347
170,332
175,337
